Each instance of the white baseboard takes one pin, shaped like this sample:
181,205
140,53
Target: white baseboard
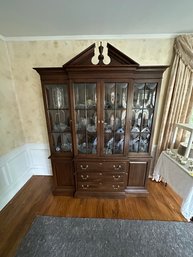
19,165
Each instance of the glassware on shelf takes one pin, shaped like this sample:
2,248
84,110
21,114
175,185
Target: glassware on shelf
144,142
135,128
58,143
149,122
94,146
58,97
150,91
59,122
143,146
123,87
151,86
112,120
139,102
138,95
117,123
134,142
146,130
136,117
120,130
66,142
82,148
85,95
148,101
120,145
110,143
123,115
91,121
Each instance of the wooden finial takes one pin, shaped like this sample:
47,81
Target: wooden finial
101,56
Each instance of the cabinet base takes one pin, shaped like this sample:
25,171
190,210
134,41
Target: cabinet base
136,192
112,195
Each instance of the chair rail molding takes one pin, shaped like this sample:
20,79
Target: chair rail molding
19,165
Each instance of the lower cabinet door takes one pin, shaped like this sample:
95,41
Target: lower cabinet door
63,172
137,177
137,173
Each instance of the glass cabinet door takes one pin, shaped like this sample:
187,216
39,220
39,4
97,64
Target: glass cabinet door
59,117
142,116
85,117
115,106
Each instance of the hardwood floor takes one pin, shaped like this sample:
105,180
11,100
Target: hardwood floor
36,198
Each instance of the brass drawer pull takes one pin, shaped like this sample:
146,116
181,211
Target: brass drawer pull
85,186
117,167
84,177
84,167
115,187
100,173
117,177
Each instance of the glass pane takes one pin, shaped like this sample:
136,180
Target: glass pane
86,117
81,120
115,117
62,142
85,95
142,116
150,93
138,98
119,143
81,141
108,143
109,95
134,142
91,125
136,120
57,96
115,95
59,120
144,142
87,143
121,95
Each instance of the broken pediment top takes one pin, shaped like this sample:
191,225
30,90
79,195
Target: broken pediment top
117,58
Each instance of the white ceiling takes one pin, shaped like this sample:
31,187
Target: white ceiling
34,18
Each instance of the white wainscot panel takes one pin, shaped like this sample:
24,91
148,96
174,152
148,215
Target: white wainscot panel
4,179
15,171
18,166
40,164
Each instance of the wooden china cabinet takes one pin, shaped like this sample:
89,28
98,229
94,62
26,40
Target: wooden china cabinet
100,122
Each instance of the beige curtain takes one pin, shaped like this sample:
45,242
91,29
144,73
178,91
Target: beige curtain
179,96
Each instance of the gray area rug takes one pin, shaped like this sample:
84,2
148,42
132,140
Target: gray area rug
82,237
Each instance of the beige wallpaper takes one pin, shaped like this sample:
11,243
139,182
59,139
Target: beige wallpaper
26,55
11,133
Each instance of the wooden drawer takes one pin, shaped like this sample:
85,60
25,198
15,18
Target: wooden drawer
101,166
89,166
114,166
100,186
101,177
89,176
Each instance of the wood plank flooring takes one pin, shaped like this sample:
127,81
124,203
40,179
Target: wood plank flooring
36,198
